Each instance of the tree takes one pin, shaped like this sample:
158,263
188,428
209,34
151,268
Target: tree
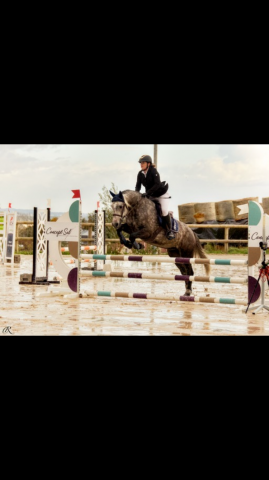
105,197
105,200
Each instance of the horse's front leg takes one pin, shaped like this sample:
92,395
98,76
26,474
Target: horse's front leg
127,243
135,235
123,240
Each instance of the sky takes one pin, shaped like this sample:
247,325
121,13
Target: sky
32,173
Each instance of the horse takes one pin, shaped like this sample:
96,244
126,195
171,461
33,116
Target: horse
136,214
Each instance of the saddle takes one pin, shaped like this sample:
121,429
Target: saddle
174,222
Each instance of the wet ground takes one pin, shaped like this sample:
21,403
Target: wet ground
23,312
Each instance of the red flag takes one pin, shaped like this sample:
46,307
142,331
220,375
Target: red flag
98,204
9,205
76,193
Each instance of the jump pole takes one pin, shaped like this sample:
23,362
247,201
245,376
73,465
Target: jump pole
164,259
183,278
150,296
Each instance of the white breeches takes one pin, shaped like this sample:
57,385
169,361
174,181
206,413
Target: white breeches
164,200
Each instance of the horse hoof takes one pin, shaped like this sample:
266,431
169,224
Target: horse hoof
138,246
187,293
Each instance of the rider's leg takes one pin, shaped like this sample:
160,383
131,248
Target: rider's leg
168,226
164,200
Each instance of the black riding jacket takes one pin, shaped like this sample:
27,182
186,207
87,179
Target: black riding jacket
152,183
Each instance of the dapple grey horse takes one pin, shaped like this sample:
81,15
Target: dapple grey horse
137,215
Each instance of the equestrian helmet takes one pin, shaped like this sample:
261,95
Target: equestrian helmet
145,158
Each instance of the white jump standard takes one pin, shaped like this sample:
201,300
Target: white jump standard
66,229
7,237
39,275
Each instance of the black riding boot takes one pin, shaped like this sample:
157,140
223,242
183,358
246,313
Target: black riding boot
168,226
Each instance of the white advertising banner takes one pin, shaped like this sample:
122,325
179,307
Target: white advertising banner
62,231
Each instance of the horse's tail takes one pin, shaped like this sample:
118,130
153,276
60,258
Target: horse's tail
198,249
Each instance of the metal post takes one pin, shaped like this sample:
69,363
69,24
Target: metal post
47,265
226,237
34,246
95,233
155,155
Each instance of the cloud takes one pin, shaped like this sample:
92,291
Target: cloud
232,172
237,165
27,146
32,173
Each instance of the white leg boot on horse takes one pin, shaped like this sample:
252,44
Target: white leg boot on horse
168,226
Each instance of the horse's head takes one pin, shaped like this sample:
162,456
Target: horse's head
119,208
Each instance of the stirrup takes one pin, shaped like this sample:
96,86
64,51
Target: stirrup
170,235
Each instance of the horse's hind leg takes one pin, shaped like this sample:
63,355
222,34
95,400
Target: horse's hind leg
185,269
189,271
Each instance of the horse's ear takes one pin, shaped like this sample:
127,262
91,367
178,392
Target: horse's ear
121,196
112,194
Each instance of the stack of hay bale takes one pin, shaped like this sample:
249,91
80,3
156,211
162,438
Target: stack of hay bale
224,212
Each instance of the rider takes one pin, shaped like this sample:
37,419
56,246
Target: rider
150,179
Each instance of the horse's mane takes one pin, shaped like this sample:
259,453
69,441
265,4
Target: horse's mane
130,196
132,191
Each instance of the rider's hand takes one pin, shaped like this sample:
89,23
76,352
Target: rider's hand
144,195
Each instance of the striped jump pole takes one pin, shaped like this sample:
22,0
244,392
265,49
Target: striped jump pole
186,278
165,259
150,296
72,261
88,247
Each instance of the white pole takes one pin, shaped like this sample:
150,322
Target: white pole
155,156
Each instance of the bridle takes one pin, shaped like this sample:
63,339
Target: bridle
122,216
